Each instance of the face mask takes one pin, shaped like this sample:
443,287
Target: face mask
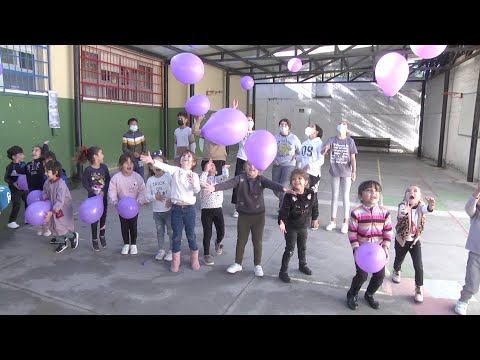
180,122
134,127
308,131
250,124
342,128
284,129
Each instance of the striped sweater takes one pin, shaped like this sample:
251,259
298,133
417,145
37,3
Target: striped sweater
134,142
370,225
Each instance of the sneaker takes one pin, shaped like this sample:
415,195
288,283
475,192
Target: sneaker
208,259
103,241
258,271
461,308
95,245
61,247
418,294
39,232
305,269
344,229
396,278
54,241
235,214
125,249
352,301
232,269
331,226
74,241
284,277
219,248
374,304
160,255
133,250
47,233
168,256
13,225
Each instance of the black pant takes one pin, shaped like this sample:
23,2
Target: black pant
17,197
239,168
218,164
416,253
103,219
313,182
210,216
129,230
361,276
298,236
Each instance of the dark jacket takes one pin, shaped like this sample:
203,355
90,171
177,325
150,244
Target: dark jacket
297,211
12,171
35,172
134,142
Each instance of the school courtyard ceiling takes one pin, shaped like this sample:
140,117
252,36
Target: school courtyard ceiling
321,63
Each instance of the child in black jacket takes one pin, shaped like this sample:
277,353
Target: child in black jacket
13,170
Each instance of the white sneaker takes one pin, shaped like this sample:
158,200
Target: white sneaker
396,277
418,294
168,256
331,226
232,269
344,229
13,225
258,271
133,250
39,232
160,255
47,233
235,214
461,308
125,249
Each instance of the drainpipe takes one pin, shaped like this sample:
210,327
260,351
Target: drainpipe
227,100
473,142
165,108
443,119
78,105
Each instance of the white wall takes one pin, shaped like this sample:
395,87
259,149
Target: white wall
368,110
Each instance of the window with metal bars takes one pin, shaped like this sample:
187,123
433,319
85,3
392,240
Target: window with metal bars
25,69
116,75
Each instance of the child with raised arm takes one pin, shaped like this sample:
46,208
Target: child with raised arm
185,184
409,228
95,179
297,214
212,212
251,212
159,188
369,222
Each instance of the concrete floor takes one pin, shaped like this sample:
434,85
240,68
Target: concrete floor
36,280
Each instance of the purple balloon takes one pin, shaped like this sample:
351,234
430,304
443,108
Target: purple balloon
247,82
294,64
226,127
187,68
33,196
261,149
22,182
127,207
198,105
428,51
391,73
36,212
91,209
371,257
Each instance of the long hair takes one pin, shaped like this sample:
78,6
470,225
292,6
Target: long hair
85,153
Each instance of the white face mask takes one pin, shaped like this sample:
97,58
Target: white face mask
284,129
308,131
250,124
342,128
134,127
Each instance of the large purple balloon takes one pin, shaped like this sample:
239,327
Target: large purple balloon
36,212
22,182
391,72
261,149
91,209
127,207
370,257
247,82
198,105
35,195
187,68
428,51
226,127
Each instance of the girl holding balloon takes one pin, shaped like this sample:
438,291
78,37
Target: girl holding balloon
369,223
127,183
95,179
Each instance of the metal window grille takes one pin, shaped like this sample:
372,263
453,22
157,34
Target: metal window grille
25,69
110,74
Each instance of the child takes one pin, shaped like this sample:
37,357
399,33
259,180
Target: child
50,155
60,217
35,173
95,179
472,276
369,222
183,137
310,157
298,212
158,192
134,143
409,228
251,210
211,205
127,183
185,184
13,170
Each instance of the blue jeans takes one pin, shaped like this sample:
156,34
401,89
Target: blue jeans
162,221
183,215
